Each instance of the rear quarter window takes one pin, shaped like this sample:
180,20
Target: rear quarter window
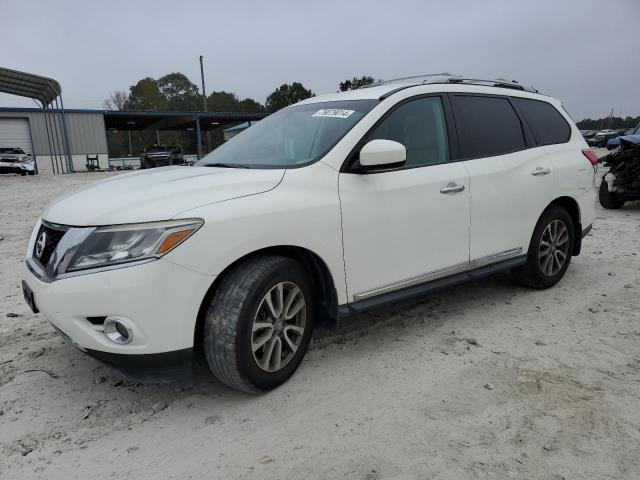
547,124
487,126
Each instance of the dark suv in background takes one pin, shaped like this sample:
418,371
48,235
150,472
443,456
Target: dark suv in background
161,156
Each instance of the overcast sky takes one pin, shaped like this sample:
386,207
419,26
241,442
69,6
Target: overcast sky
584,52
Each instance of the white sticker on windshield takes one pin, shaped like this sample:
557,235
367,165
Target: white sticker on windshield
333,113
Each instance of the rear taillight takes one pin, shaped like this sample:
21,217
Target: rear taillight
592,157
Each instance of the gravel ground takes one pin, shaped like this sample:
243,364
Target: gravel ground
486,380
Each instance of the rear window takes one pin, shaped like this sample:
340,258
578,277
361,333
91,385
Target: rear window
547,124
487,126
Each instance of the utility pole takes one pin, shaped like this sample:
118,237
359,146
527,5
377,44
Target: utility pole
610,118
204,92
204,105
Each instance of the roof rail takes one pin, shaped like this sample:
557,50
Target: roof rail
438,78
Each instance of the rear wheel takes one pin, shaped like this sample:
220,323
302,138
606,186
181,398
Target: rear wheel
259,323
608,200
550,250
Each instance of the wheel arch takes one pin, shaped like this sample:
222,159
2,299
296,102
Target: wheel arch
316,267
573,209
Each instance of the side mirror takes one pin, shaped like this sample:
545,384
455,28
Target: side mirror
383,153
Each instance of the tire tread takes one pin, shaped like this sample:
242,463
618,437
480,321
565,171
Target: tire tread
223,315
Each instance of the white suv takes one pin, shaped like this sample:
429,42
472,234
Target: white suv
329,207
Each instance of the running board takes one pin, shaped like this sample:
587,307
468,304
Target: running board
413,291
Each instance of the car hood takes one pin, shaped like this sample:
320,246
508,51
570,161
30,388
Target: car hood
157,194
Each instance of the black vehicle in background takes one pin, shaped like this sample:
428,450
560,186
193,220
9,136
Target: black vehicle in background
587,134
621,181
161,156
601,138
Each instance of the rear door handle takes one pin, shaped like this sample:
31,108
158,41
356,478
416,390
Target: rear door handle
452,187
541,171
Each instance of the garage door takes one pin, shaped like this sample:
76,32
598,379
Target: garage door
14,132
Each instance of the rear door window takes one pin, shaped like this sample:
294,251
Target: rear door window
487,126
548,125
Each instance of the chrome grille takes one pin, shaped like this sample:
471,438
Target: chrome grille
52,237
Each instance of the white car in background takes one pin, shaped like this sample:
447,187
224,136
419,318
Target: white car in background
15,160
330,207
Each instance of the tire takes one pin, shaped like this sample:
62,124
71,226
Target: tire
608,200
536,273
240,301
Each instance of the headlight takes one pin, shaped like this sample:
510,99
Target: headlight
118,244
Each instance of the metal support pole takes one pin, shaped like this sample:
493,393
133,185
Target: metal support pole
45,118
198,138
56,139
58,135
155,109
130,150
65,131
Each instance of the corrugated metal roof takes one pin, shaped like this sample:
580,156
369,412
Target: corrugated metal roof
28,85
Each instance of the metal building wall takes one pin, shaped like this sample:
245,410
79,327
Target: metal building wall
86,131
87,136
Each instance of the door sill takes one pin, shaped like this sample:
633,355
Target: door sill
420,289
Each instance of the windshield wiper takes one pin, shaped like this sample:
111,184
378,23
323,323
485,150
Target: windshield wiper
225,165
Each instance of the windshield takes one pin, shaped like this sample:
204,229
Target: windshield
11,150
292,136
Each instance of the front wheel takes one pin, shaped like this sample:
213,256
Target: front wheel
550,250
258,325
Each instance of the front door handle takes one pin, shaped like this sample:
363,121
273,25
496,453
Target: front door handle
452,187
541,171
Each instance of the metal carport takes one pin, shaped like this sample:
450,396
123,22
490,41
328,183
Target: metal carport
47,93
196,121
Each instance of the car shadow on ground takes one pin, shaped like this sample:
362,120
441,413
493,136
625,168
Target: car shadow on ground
436,309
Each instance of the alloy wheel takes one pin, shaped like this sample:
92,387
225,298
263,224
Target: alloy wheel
278,326
554,248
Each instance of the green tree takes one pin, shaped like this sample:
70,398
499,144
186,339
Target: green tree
249,105
606,122
355,83
223,102
180,93
146,95
286,95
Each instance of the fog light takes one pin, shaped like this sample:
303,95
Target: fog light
117,331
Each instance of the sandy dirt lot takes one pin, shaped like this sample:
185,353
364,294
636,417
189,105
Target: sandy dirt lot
483,381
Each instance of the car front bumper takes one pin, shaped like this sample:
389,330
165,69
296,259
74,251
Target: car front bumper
159,300
15,169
